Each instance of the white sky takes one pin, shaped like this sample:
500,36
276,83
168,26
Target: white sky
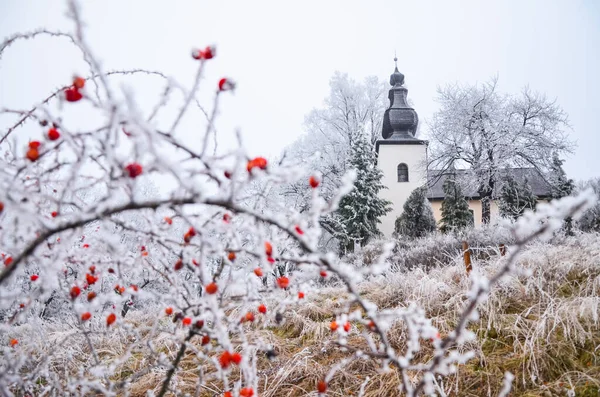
283,53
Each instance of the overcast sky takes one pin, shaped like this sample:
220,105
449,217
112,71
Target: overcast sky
283,53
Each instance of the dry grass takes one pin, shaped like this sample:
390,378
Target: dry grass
544,328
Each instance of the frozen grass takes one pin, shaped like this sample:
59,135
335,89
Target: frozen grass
544,328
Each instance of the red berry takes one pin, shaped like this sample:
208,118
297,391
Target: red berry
13,342
226,85
225,359
262,309
72,94
322,386
211,288
259,162
298,230
227,394
227,174
54,214
90,279
246,392
53,134
283,282
186,321
111,270
249,317
86,316
134,170
179,264
231,256
323,273
1,207
75,291
205,340
168,220
226,218
300,295
34,144
110,319
347,327
169,311
91,295
34,277
258,271
199,324
314,182
236,358
270,259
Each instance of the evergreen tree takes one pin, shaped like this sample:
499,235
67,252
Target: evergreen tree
455,208
417,218
561,186
515,198
360,210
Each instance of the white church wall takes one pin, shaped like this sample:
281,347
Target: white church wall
397,192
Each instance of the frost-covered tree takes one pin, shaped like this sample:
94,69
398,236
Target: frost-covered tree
515,198
561,186
350,110
483,130
360,210
455,208
590,220
417,218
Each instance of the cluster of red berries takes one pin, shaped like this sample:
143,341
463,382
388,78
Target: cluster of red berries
227,358
73,94
208,53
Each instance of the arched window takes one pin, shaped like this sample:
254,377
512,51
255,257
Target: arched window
402,172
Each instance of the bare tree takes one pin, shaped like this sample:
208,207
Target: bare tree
485,131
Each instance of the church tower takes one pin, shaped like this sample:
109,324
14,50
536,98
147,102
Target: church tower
400,156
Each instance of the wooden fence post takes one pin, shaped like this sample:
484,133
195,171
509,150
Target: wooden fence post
467,256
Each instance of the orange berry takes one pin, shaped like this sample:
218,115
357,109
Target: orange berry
78,82
231,256
86,316
90,279
211,288
268,249
262,309
283,282
227,394
249,317
258,271
333,326
33,154
13,342
169,311
91,295
110,319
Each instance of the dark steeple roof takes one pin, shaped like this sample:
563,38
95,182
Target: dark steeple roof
399,120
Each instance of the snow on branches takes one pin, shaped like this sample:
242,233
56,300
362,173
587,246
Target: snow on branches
88,240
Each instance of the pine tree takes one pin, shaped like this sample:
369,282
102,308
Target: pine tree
561,186
417,218
360,210
455,208
515,198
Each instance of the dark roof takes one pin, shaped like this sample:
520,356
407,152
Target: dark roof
541,188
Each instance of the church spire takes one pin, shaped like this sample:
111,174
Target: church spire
400,120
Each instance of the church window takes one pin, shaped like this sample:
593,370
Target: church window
402,172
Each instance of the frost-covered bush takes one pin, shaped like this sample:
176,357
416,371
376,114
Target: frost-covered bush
211,255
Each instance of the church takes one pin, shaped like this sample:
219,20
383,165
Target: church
402,158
